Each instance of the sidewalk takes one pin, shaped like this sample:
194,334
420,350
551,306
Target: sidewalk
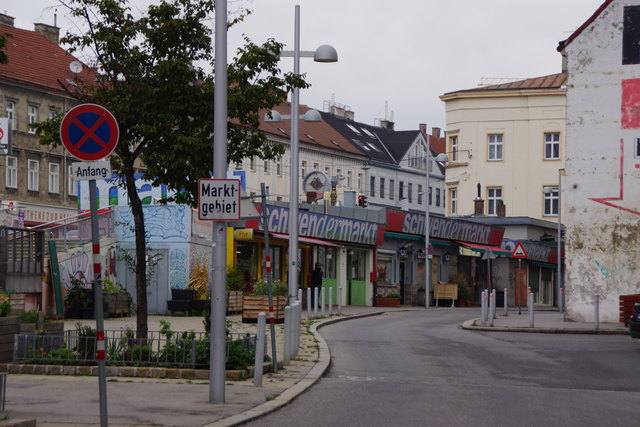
57,401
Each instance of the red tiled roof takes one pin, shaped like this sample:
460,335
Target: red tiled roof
321,133
439,145
36,61
586,23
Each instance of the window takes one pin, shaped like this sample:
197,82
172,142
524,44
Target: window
382,188
551,202
32,117
52,114
315,166
372,186
495,146
33,171
494,194
349,179
54,178
392,189
430,196
401,191
419,194
437,197
359,182
11,177
410,192
278,166
453,200
266,167
551,146
327,171
339,175
252,163
453,141
303,169
11,114
71,183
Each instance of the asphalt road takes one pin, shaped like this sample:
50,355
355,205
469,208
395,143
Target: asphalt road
420,369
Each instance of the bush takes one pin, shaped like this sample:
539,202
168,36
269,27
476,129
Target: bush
30,316
235,279
279,289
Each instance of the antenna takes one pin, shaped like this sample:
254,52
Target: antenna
386,110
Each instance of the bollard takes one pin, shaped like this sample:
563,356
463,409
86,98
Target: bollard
300,295
308,303
492,307
561,300
322,301
260,345
315,301
531,311
339,300
330,290
506,299
287,334
483,303
296,329
596,314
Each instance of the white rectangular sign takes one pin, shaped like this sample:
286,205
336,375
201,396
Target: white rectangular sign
219,199
85,171
4,136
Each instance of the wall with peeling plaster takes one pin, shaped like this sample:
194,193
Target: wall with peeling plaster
602,183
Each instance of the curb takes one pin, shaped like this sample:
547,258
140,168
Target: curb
471,325
290,394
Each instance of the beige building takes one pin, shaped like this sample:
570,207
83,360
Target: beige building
506,144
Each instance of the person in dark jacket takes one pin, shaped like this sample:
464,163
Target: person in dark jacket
316,282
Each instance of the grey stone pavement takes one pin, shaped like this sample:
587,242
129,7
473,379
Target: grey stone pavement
74,401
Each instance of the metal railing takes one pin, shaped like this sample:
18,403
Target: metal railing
21,253
76,231
177,349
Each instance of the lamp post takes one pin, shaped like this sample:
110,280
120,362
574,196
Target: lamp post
549,190
440,158
324,53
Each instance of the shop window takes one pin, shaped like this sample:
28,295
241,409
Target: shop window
384,270
358,264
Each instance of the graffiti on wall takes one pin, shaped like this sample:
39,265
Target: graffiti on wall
178,269
161,222
79,266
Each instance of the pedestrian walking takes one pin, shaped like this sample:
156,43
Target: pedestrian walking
316,282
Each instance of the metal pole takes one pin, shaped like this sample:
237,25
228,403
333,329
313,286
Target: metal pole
97,292
506,303
267,263
293,195
259,361
559,238
427,231
340,300
219,245
518,293
596,313
492,306
287,334
531,311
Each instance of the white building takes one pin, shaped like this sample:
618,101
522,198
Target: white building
602,180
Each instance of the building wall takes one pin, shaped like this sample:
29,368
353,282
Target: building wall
603,219
522,117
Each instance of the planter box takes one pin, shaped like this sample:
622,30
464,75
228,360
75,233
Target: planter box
9,327
183,294
387,302
17,303
179,306
201,305
49,327
252,305
234,302
116,303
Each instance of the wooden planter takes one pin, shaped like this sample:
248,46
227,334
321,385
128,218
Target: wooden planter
116,303
9,327
183,294
387,302
234,302
49,327
253,305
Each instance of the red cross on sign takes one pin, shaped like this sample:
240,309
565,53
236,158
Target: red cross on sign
89,132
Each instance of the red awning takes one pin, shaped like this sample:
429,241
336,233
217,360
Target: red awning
302,239
483,248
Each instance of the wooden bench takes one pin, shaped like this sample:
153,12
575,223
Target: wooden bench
445,291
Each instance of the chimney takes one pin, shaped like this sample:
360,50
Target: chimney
423,128
50,32
435,132
502,208
6,20
386,124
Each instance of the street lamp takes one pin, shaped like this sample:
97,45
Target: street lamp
440,158
324,53
550,190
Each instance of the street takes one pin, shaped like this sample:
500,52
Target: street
417,368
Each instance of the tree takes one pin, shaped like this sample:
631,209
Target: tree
148,76
4,59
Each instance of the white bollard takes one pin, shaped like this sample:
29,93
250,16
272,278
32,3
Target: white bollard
300,295
308,303
260,345
315,301
295,342
506,301
330,290
322,300
340,300
483,303
596,312
287,334
531,311
492,307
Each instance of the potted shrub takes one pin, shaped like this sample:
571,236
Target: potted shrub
34,320
391,300
116,299
258,301
464,296
236,282
76,300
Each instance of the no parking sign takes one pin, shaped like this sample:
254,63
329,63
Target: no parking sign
89,132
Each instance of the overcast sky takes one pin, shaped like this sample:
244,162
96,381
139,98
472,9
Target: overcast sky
405,53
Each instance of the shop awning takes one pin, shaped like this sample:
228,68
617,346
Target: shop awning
416,238
483,248
302,239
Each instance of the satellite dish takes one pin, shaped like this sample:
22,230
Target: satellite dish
75,67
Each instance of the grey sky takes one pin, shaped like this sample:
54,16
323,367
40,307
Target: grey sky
405,52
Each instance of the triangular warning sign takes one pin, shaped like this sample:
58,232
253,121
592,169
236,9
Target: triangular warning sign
519,251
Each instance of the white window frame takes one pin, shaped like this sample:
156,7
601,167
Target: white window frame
11,114
401,190
33,175
382,183
265,167
252,163
372,186
552,145
11,174
349,179
495,149
54,178
359,182
392,189
453,200
71,183
453,140
437,197
32,117
279,166
303,169
493,195
551,202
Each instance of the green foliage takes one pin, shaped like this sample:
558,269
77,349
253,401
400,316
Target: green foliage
111,287
235,279
279,289
393,296
5,305
464,293
86,341
4,59
76,296
30,316
239,356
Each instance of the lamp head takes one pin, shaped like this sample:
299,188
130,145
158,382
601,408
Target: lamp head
442,158
325,53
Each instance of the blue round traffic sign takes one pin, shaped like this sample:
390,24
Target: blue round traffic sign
89,132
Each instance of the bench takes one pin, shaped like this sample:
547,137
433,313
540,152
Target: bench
445,291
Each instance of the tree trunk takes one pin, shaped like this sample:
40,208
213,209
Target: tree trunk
140,257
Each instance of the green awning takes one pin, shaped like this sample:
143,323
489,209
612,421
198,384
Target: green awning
416,238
